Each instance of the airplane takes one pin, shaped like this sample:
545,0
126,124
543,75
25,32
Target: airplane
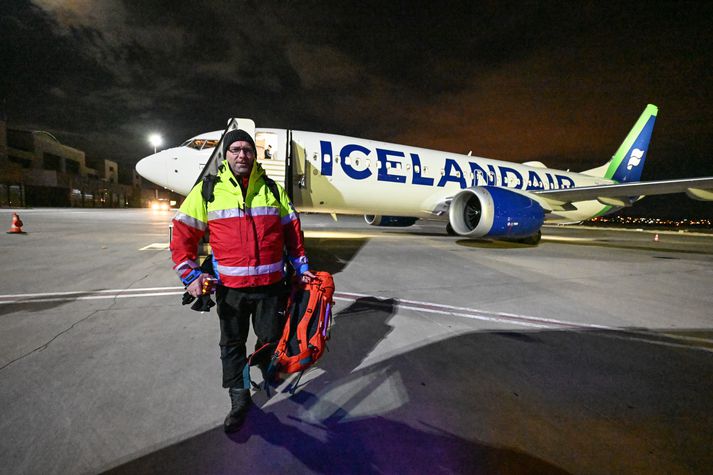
395,185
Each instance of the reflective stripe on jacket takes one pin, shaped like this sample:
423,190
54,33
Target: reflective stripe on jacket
247,235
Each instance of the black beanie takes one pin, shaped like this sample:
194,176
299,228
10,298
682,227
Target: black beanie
234,136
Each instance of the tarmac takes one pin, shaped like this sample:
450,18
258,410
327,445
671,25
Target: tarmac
591,352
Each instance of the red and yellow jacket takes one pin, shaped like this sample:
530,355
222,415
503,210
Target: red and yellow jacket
247,235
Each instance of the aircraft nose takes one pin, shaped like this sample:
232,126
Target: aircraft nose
153,168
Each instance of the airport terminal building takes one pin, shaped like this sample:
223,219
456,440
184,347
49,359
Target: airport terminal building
37,170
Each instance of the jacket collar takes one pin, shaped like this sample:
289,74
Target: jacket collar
256,173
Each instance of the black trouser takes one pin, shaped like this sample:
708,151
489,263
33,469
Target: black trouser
266,306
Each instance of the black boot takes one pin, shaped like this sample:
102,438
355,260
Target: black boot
240,403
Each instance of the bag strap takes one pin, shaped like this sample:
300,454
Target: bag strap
315,294
272,186
247,380
209,182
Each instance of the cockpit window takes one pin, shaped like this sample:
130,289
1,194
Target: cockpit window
200,144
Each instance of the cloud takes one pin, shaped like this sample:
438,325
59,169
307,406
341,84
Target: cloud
561,83
101,30
58,92
323,67
102,15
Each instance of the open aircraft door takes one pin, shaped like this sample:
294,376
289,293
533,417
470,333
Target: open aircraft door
312,190
299,183
272,154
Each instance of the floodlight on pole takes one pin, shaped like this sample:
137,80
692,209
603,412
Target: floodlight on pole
155,140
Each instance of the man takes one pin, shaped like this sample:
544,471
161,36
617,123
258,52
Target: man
249,229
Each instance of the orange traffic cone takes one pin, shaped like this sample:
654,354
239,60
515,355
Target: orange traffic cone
656,237
16,227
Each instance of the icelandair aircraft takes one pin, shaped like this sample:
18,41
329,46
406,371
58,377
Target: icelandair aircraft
394,185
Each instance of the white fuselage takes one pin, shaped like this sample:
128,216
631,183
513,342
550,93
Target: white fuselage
355,176
339,174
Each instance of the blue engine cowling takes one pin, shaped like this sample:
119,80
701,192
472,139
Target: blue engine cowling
487,211
394,221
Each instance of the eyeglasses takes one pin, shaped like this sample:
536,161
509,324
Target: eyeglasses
247,151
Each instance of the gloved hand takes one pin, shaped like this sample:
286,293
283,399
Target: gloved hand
200,289
201,304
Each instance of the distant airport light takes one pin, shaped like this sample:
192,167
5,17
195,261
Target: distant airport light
161,204
155,140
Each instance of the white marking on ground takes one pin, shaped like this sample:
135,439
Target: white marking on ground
157,246
672,340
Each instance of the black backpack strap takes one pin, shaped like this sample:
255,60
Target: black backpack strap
276,193
209,182
273,187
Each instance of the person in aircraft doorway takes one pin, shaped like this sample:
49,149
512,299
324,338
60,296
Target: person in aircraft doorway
249,230
268,152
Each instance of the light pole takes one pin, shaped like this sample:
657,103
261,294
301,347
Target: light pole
155,140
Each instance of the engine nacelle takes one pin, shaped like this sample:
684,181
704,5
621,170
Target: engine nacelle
394,221
486,211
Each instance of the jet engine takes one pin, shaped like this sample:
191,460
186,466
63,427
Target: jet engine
394,221
486,211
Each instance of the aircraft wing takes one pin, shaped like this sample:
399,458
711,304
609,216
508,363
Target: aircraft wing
624,194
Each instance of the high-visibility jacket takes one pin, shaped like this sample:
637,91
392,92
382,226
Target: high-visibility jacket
247,235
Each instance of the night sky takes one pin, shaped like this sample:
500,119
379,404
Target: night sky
558,82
